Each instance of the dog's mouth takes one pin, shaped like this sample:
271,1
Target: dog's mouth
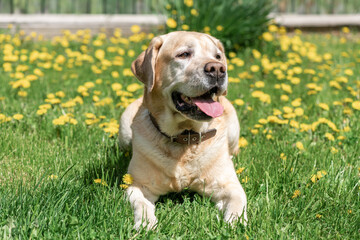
202,107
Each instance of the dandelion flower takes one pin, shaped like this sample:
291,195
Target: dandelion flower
194,12
185,27
296,194
127,179
283,156
324,106
334,150
99,181
171,23
356,105
239,102
18,116
240,170
268,36
134,87
329,136
242,142
124,186
189,3
349,72
300,146
52,177
135,29
219,28
345,30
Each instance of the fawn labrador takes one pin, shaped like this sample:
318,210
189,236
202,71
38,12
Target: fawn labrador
183,131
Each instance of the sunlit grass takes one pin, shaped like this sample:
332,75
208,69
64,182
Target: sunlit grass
61,172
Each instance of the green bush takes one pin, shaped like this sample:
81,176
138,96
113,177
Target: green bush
236,23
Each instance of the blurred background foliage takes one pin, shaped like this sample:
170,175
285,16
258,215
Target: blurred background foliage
154,6
235,23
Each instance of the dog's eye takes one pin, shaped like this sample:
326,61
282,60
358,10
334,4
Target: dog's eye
218,56
184,55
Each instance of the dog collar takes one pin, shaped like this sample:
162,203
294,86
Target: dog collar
188,137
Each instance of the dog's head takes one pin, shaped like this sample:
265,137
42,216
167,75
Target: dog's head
184,73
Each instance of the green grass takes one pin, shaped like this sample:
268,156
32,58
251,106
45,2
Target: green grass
72,206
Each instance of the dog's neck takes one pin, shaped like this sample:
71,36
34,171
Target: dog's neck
187,137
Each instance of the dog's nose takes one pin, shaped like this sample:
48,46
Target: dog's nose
215,70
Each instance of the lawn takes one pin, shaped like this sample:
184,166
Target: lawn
298,100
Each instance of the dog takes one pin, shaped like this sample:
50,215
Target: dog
183,131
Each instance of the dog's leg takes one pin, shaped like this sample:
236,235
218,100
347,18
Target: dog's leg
228,195
143,203
234,205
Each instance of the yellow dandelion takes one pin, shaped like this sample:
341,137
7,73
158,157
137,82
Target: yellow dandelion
124,186
53,177
300,146
334,150
345,30
356,105
22,93
60,94
349,72
324,106
115,74
171,23
259,84
99,54
185,27
283,156
135,29
268,36
254,131
296,194
100,181
189,3
194,12
41,112
127,179
239,102
134,87
219,28
242,142
127,72
299,111
240,170
18,116
329,136
284,98
245,180
254,68
273,28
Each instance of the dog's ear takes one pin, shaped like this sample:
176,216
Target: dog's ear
218,43
144,66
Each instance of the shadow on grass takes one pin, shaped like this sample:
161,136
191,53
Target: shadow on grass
115,165
178,197
111,169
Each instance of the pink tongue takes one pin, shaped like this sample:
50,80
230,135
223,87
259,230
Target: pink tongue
209,107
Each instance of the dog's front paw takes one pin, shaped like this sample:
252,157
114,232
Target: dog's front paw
232,217
147,224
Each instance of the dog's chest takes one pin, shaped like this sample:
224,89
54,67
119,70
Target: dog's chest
187,167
